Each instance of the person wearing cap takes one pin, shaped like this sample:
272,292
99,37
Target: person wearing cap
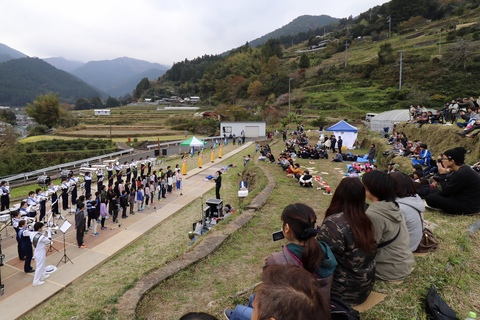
460,185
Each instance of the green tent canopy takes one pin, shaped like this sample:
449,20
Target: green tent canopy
193,142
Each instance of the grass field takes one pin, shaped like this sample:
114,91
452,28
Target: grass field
212,284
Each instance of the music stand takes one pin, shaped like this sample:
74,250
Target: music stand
65,226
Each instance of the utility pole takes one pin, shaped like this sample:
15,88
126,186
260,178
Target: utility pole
440,43
389,20
289,80
346,52
400,78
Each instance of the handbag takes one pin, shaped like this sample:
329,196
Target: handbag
428,243
436,308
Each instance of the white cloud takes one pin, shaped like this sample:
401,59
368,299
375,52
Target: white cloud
158,31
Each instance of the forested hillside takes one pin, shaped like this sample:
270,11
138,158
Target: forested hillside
356,68
22,80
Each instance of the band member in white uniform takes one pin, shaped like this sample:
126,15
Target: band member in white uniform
39,242
118,171
32,203
88,182
5,195
65,186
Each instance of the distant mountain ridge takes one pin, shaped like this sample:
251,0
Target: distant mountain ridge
7,53
64,64
115,77
301,24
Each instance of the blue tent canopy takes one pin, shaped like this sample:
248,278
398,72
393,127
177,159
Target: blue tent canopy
342,126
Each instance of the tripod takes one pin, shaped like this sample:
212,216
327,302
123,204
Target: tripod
65,226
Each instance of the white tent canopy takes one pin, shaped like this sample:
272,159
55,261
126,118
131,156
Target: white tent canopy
346,131
388,118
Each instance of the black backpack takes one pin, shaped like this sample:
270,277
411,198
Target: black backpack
340,310
436,308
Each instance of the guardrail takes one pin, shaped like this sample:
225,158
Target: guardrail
27,175
176,143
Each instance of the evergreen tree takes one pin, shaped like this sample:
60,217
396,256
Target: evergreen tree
304,62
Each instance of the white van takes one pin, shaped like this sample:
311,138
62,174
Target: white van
369,116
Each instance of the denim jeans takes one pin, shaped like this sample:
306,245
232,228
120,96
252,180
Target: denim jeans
243,312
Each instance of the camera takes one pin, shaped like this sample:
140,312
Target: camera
278,235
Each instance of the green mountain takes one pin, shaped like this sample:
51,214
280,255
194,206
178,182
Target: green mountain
22,80
303,24
357,68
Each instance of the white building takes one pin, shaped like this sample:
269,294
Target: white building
102,112
251,129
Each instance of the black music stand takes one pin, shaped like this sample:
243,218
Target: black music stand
65,226
2,258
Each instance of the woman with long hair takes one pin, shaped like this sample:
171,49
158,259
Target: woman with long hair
302,250
412,206
350,234
394,258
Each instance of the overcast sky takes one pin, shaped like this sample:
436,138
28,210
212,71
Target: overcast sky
163,31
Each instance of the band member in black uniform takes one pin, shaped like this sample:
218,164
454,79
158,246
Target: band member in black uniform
99,179
73,183
42,200
65,187
133,165
128,171
23,235
88,182
52,190
118,171
142,166
32,202
5,195
148,163
110,173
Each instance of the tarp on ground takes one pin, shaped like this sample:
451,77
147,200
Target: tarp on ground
346,131
193,142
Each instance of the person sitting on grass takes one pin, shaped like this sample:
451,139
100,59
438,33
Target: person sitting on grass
394,258
349,233
424,156
460,185
412,207
305,179
303,250
294,171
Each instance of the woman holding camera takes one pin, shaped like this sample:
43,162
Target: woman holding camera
302,250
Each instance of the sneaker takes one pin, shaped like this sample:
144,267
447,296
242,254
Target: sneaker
104,228
95,234
82,246
90,227
45,277
39,283
228,313
30,271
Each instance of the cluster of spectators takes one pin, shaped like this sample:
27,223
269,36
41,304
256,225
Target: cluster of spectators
355,245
